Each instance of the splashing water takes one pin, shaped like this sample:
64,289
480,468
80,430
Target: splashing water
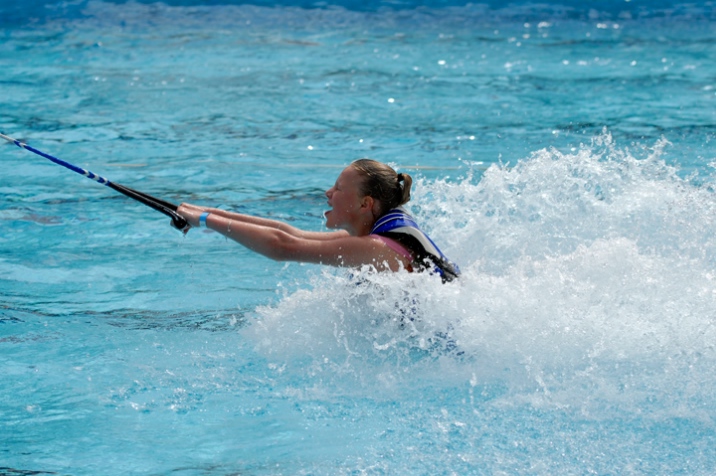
587,283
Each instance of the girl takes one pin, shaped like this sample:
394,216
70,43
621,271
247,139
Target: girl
365,209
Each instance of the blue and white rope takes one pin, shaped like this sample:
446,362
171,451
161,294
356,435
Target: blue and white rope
74,168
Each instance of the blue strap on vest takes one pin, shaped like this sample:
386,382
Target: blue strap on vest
401,227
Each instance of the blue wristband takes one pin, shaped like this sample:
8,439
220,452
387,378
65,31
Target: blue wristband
202,219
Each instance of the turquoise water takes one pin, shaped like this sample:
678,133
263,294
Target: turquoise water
564,157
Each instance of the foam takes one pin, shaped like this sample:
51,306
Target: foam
581,270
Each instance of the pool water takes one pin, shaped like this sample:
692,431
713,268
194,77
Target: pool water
563,156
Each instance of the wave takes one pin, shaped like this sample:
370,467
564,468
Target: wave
585,274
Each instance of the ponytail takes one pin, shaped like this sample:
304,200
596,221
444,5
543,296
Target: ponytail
405,181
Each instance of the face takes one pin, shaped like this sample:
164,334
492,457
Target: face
347,206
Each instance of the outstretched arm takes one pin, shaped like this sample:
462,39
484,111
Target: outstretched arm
265,237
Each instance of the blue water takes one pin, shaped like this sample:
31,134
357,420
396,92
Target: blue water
564,157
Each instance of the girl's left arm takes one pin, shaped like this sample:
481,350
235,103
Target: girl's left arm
280,245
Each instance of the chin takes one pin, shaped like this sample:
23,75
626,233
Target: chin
329,222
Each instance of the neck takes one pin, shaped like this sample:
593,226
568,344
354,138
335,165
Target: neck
362,229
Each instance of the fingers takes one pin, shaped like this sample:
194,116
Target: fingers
190,214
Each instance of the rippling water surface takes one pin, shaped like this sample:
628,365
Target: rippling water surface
563,156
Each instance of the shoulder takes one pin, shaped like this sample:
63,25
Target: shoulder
395,246
352,251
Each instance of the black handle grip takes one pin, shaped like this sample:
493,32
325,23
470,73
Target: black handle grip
158,204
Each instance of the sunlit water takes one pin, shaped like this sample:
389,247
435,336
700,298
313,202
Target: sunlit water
563,156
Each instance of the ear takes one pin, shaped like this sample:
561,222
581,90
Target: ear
373,206
367,203
370,205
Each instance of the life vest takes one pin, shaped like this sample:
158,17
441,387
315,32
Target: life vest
401,227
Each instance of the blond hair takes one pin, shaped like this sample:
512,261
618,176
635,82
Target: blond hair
380,181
